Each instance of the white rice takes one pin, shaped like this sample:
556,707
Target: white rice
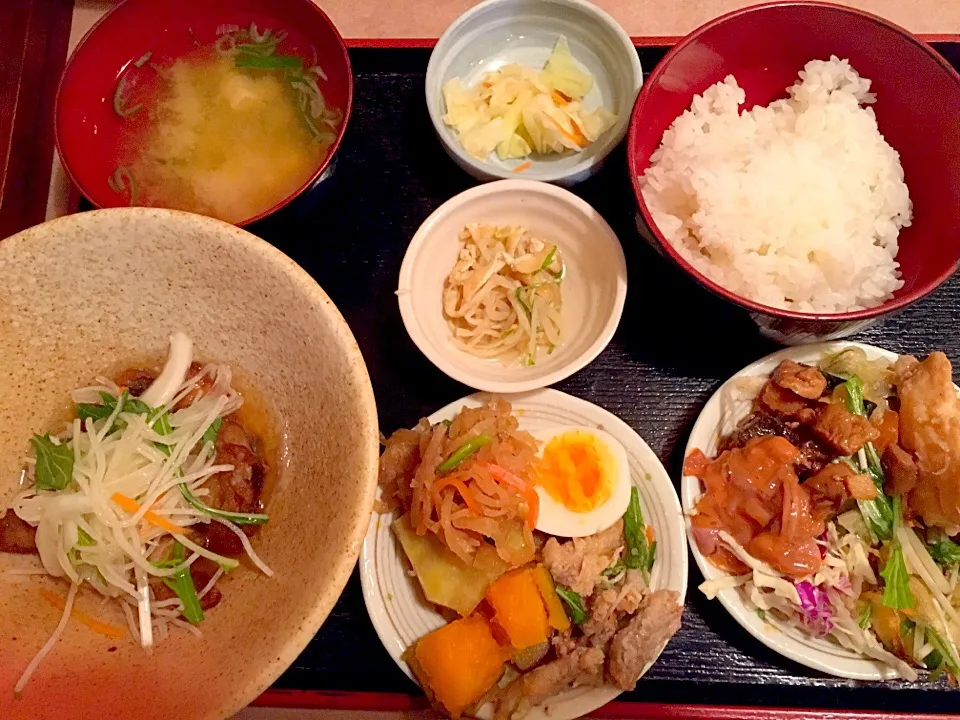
796,205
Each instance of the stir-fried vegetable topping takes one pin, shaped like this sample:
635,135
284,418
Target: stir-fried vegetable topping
502,299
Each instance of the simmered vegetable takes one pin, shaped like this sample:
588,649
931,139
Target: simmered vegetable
519,607
556,617
457,663
446,580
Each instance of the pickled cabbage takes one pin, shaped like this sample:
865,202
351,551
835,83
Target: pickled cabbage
516,111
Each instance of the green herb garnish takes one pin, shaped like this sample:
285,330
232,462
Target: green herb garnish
182,584
896,591
268,62
210,434
238,518
576,610
865,617
469,448
640,555
877,513
946,553
54,469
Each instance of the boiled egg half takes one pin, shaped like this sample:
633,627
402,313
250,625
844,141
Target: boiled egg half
583,479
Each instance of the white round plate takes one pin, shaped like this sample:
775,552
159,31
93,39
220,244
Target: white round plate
393,598
720,416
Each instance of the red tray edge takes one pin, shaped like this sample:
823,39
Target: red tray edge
638,40
400,703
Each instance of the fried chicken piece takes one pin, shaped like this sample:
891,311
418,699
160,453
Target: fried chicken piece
930,431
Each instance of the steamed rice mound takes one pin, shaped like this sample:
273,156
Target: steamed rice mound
796,205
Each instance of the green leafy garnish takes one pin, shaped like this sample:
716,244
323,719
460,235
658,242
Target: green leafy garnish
877,513
470,447
762,614
614,570
161,426
548,260
210,434
182,584
933,660
84,539
54,469
907,626
576,610
946,655
896,591
865,617
639,555
109,405
120,104
946,552
122,182
238,518
269,62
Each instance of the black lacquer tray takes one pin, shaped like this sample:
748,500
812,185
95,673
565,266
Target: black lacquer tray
676,344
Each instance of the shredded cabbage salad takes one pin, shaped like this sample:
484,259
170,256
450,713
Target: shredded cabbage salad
517,111
884,590
114,495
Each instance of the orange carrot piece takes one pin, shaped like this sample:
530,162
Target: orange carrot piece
577,138
465,492
103,628
523,166
524,489
559,98
651,534
132,506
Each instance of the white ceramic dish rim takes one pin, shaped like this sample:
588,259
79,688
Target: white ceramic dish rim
582,700
610,139
814,653
521,384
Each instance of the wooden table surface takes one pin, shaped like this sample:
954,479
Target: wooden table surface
377,20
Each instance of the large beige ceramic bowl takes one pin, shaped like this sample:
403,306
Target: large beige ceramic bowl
87,292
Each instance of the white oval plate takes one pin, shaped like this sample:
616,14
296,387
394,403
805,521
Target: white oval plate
393,598
720,416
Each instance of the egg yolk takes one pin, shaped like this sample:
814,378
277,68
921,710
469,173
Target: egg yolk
577,471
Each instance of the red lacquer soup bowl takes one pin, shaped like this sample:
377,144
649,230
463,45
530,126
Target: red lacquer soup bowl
91,135
917,109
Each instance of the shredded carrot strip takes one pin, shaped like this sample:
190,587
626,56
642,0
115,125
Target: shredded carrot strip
524,489
103,628
523,166
464,491
651,534
131,506
559,98
578,138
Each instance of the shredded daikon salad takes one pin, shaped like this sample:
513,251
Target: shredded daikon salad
517,111
502,299
114,495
